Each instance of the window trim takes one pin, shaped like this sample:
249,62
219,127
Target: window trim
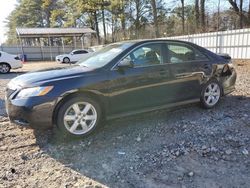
188,46
137,47
76,52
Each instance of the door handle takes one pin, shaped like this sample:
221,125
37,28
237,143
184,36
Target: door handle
183,75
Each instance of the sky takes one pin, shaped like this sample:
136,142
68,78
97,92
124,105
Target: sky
5,9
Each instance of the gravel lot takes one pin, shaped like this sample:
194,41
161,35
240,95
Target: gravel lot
187,147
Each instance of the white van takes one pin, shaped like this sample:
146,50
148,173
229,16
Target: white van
8,61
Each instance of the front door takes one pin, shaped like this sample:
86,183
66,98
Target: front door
142,86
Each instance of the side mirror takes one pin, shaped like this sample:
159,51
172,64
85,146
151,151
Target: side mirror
126,63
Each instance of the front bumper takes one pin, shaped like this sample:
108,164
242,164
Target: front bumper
26,112
58,59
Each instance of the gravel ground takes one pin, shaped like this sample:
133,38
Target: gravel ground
187,147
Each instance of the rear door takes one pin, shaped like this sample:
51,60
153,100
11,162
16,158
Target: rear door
78,54
189,67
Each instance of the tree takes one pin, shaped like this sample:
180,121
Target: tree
141,8
202,13
238,9
47,7
183,16
154,8
128,19
197,13
27,14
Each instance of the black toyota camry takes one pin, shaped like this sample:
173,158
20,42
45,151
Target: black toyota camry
121,79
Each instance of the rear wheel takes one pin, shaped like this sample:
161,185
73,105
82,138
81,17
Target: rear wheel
78,116
211,94
4,68
66,60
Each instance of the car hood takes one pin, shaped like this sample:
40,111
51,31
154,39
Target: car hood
48,75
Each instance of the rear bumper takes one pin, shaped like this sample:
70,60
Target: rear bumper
17,65
22,113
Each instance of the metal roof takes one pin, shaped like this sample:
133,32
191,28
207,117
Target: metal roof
52,32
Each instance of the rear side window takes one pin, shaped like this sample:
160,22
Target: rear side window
80,52
83,52
181,53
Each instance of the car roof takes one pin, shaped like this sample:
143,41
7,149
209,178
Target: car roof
79,50
153,40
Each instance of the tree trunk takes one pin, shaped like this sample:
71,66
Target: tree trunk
197,14
123,21
248,14
97,28
137,20
241,14
104,26
183,16
203,22
153,4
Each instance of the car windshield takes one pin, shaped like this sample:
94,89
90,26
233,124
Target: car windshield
103,56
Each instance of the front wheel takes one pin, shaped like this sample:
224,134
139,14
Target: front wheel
211,94
66,60
78,116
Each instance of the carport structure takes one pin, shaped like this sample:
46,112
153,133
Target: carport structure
35,35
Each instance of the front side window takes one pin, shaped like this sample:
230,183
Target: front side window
178,53
146,55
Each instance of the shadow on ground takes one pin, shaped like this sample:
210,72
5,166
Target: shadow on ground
141,151
10,75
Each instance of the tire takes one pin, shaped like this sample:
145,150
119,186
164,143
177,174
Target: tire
4,68
66,60
78,117
211,94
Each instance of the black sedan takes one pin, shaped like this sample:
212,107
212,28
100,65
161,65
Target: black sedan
121,79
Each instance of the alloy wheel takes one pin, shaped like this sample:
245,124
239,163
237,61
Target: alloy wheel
66,60
4,68
212,94
80,118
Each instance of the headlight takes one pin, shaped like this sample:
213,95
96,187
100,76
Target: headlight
33,92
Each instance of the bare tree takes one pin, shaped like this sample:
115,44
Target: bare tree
241,14
248,10
183,15
239,11
202,12
153,4
197,13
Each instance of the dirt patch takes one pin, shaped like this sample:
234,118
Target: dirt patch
188,147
